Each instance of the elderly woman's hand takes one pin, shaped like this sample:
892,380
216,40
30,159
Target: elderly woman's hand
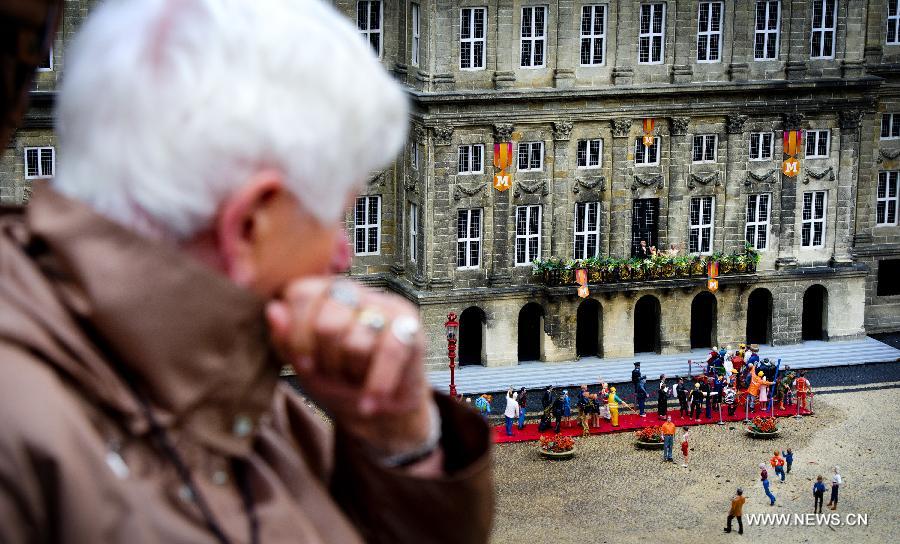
359,354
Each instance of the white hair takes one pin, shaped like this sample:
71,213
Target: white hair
168,106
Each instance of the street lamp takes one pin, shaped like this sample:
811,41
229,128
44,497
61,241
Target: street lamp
452,327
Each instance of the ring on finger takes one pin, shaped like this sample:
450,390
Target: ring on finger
343,292
404,329
372,319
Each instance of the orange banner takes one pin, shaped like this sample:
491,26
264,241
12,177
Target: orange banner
581,276
503,155
713,270
792,141
648,126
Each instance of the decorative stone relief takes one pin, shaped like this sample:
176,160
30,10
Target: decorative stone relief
461,190
888,155
734,124
849,119
418,133
792,121
26,193
503,132
411,185
768,177
678,126
598,184
377,180
620,127
562,130
647,181
443,134
812,174
711,177
535,187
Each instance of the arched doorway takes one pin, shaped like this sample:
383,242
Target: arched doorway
471,336
646,325
815,306
759,317
589,325
703,320
531,321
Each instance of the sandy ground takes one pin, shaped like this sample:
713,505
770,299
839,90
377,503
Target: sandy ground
613,493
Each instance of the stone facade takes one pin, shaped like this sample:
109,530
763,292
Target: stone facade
562,102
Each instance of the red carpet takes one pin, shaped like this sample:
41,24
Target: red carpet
629,422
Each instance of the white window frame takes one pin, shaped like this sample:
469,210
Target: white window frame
813,221
532,240
650,35
592,152
759,151
471,151
704,225
476,62
766,32
582,213
368,32
40,163
814,137
533,39
891,121
756,221
50,58
708,143
413,231
367,225
414,155
890,179
415,16
530,146
823,30
706,36
893,23
640,150
592,37
465,242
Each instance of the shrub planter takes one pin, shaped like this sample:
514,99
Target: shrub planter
763,427
558,455
756,433
649,445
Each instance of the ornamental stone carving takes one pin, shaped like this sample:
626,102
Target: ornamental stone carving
460,190
792,121
533,188
503,132
734,124
418,133
621,127
849,119
599,184
678,126
562,130
827,174
443,134
704,179
647,181
767,177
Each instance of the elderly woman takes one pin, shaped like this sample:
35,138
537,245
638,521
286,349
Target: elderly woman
187,250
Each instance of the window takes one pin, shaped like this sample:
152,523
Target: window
528,234
368,19
709,32
768,25
704,148
823,29
817,143
700,240
890,126
761,146
587,230
888,277
368,225
534,36
589,153
40,162
413,231
758,221
652,33
471,38
531,156
593,35
644,223
646,156
47,63
471,159
468,239
414,155
416,35
812,232
893,22
887,200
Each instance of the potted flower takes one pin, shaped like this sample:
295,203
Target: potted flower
625,270
698,266
557,447
753,257
682,266
611,270
553,271
567,274
649,437
763,427
592,264
638,270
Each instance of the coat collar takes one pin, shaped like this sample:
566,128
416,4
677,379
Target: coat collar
193,343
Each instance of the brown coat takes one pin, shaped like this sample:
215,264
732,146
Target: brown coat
93,319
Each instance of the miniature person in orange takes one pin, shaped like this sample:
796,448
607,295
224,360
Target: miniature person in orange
756,381
777,462
803,388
